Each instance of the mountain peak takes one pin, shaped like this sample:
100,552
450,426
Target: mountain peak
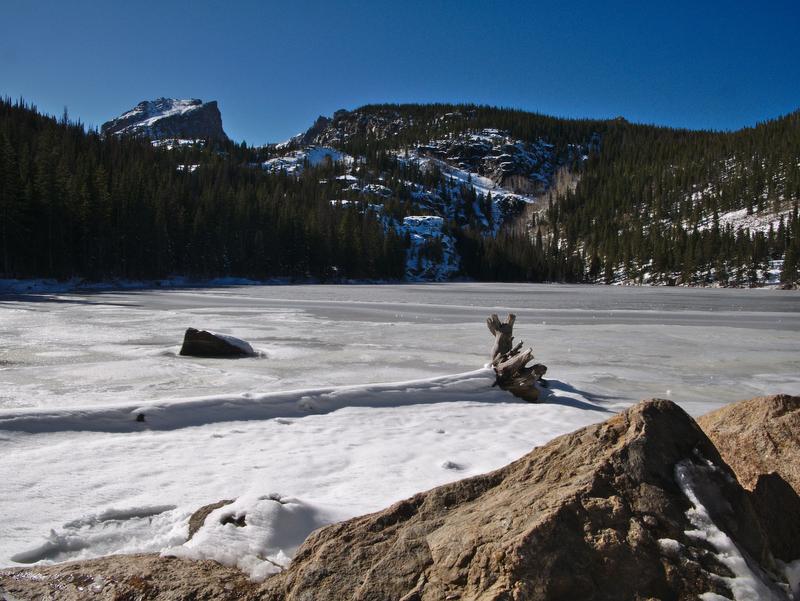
169,118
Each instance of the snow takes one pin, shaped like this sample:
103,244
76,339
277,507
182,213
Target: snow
669,546
333,466
458,177
792,572
182,413
361,206
148,113
740,220
423,229
748,583
274,527
293,162
359,396
242,345
172,143
377,189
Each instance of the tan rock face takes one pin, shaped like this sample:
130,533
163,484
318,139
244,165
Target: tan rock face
127,578
579,518
597,514
760,440
757,437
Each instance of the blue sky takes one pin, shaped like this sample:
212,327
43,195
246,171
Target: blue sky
275,66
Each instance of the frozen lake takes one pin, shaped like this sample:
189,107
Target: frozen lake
84,361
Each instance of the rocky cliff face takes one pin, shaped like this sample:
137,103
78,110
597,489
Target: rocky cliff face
521,167
344,125
639,507
169,118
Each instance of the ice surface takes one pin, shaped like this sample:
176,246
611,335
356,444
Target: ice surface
308,418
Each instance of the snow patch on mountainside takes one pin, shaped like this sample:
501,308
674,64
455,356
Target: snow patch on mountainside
741,220
174,121
458,180
294,162
432,254
149,112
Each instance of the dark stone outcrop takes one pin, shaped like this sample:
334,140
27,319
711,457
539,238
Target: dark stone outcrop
168,118
201,343
320,125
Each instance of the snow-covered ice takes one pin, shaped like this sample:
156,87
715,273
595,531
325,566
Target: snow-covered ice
359,396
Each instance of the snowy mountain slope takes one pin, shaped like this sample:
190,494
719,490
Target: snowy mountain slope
524,196
295,161
169,118
432,254
512,164
477,179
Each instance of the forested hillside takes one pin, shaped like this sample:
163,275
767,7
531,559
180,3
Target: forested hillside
637,203
75,204
418,192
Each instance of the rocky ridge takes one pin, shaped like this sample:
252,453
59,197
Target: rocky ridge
519,166
483,178
169,119
642,506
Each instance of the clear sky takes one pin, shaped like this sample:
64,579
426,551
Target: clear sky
275,66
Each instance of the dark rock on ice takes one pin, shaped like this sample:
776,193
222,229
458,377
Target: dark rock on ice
202,343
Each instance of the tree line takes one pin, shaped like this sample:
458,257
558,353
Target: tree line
75,204
649,202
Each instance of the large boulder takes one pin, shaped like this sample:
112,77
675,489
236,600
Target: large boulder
757,437
639,507
202,343
760,440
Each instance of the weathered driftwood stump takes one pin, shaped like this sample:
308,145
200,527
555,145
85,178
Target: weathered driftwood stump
511,362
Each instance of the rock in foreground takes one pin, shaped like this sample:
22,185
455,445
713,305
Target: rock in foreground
127,578
757,437
202,343
626,509
760,440
639,507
